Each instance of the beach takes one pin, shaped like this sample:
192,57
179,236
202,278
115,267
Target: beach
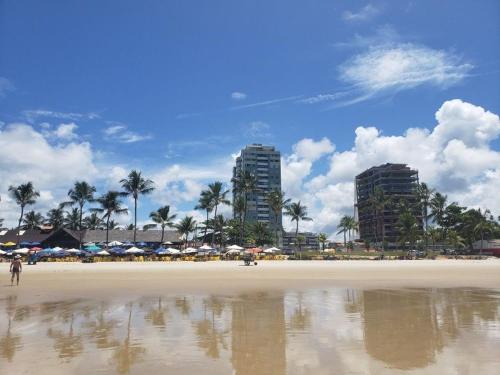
279,317
143,278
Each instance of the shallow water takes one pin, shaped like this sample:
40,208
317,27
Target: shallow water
317,331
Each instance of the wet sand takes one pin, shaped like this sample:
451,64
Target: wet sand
280,318
149,278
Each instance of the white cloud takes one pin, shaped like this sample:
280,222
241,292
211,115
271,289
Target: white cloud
258,129
366,13
399,67
26,155
238,95
5,86
118,132
455,157
66,131
33,115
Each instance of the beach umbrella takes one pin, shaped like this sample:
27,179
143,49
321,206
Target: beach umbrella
161,251
2,252
102,252
171,250
167,243
35,244
57,248
87,244
205,248
271,250
36,248
23,250
233,251
25,243
8,244
142,244
73,251
189,250
134,250
115,243
92,249
235,247
254,250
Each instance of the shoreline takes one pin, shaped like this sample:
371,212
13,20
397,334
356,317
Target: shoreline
47,281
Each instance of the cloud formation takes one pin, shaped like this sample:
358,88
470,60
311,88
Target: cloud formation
236,95
366,13
33,115
118,132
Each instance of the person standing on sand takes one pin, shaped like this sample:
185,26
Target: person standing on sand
15,268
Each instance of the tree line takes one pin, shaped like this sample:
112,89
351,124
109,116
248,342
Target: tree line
84,209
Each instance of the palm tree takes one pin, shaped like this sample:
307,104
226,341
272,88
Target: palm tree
379,202
435,235
205,203
218,225
438,208
277,202
408,228
163,217
110,203
217,197
136,185
424,194
352,225
344,227
244,183
455,239
260,233
186,226
239,209
80,194
92,221
24,195
72,219
297,212
322,238
55,217
484,226
32,220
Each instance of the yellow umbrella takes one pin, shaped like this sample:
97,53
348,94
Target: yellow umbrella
9,244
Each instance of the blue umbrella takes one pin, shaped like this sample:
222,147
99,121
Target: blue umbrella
128,244
35,244
143,244
25,244
116,251
93,249
162,251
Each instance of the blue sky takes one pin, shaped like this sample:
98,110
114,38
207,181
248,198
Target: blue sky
182,84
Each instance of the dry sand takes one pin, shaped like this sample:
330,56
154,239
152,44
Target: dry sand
49,280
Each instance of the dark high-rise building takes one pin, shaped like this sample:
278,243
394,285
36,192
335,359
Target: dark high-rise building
264,162
399,183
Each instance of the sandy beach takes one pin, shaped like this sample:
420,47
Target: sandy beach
78,279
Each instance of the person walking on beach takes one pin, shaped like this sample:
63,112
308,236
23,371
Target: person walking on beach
15,268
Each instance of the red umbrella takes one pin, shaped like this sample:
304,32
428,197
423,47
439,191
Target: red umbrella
254,250
36,249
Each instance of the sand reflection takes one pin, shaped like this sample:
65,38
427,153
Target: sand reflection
288,332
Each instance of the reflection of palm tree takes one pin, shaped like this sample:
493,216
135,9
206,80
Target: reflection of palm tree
157,316
101,330
68,345
352,301
9,344
209,337
301,317
183,305
127,354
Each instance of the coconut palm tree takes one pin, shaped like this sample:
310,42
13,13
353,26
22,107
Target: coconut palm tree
32,220
297,212
55,217
239,209
80,194
163,217
24,195
185,227
136,185
217,197
277,202
72,219
343,227
379,202
408,228
455,239
205,203
110,204
92,221
260,233
424,194
244,183
352,226
438,208
322,239
482,227
218,224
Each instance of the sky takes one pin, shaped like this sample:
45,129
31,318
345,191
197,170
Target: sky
90,90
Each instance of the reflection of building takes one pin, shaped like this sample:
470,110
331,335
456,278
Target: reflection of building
401,327
398,182
310,240
264,162
258,335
